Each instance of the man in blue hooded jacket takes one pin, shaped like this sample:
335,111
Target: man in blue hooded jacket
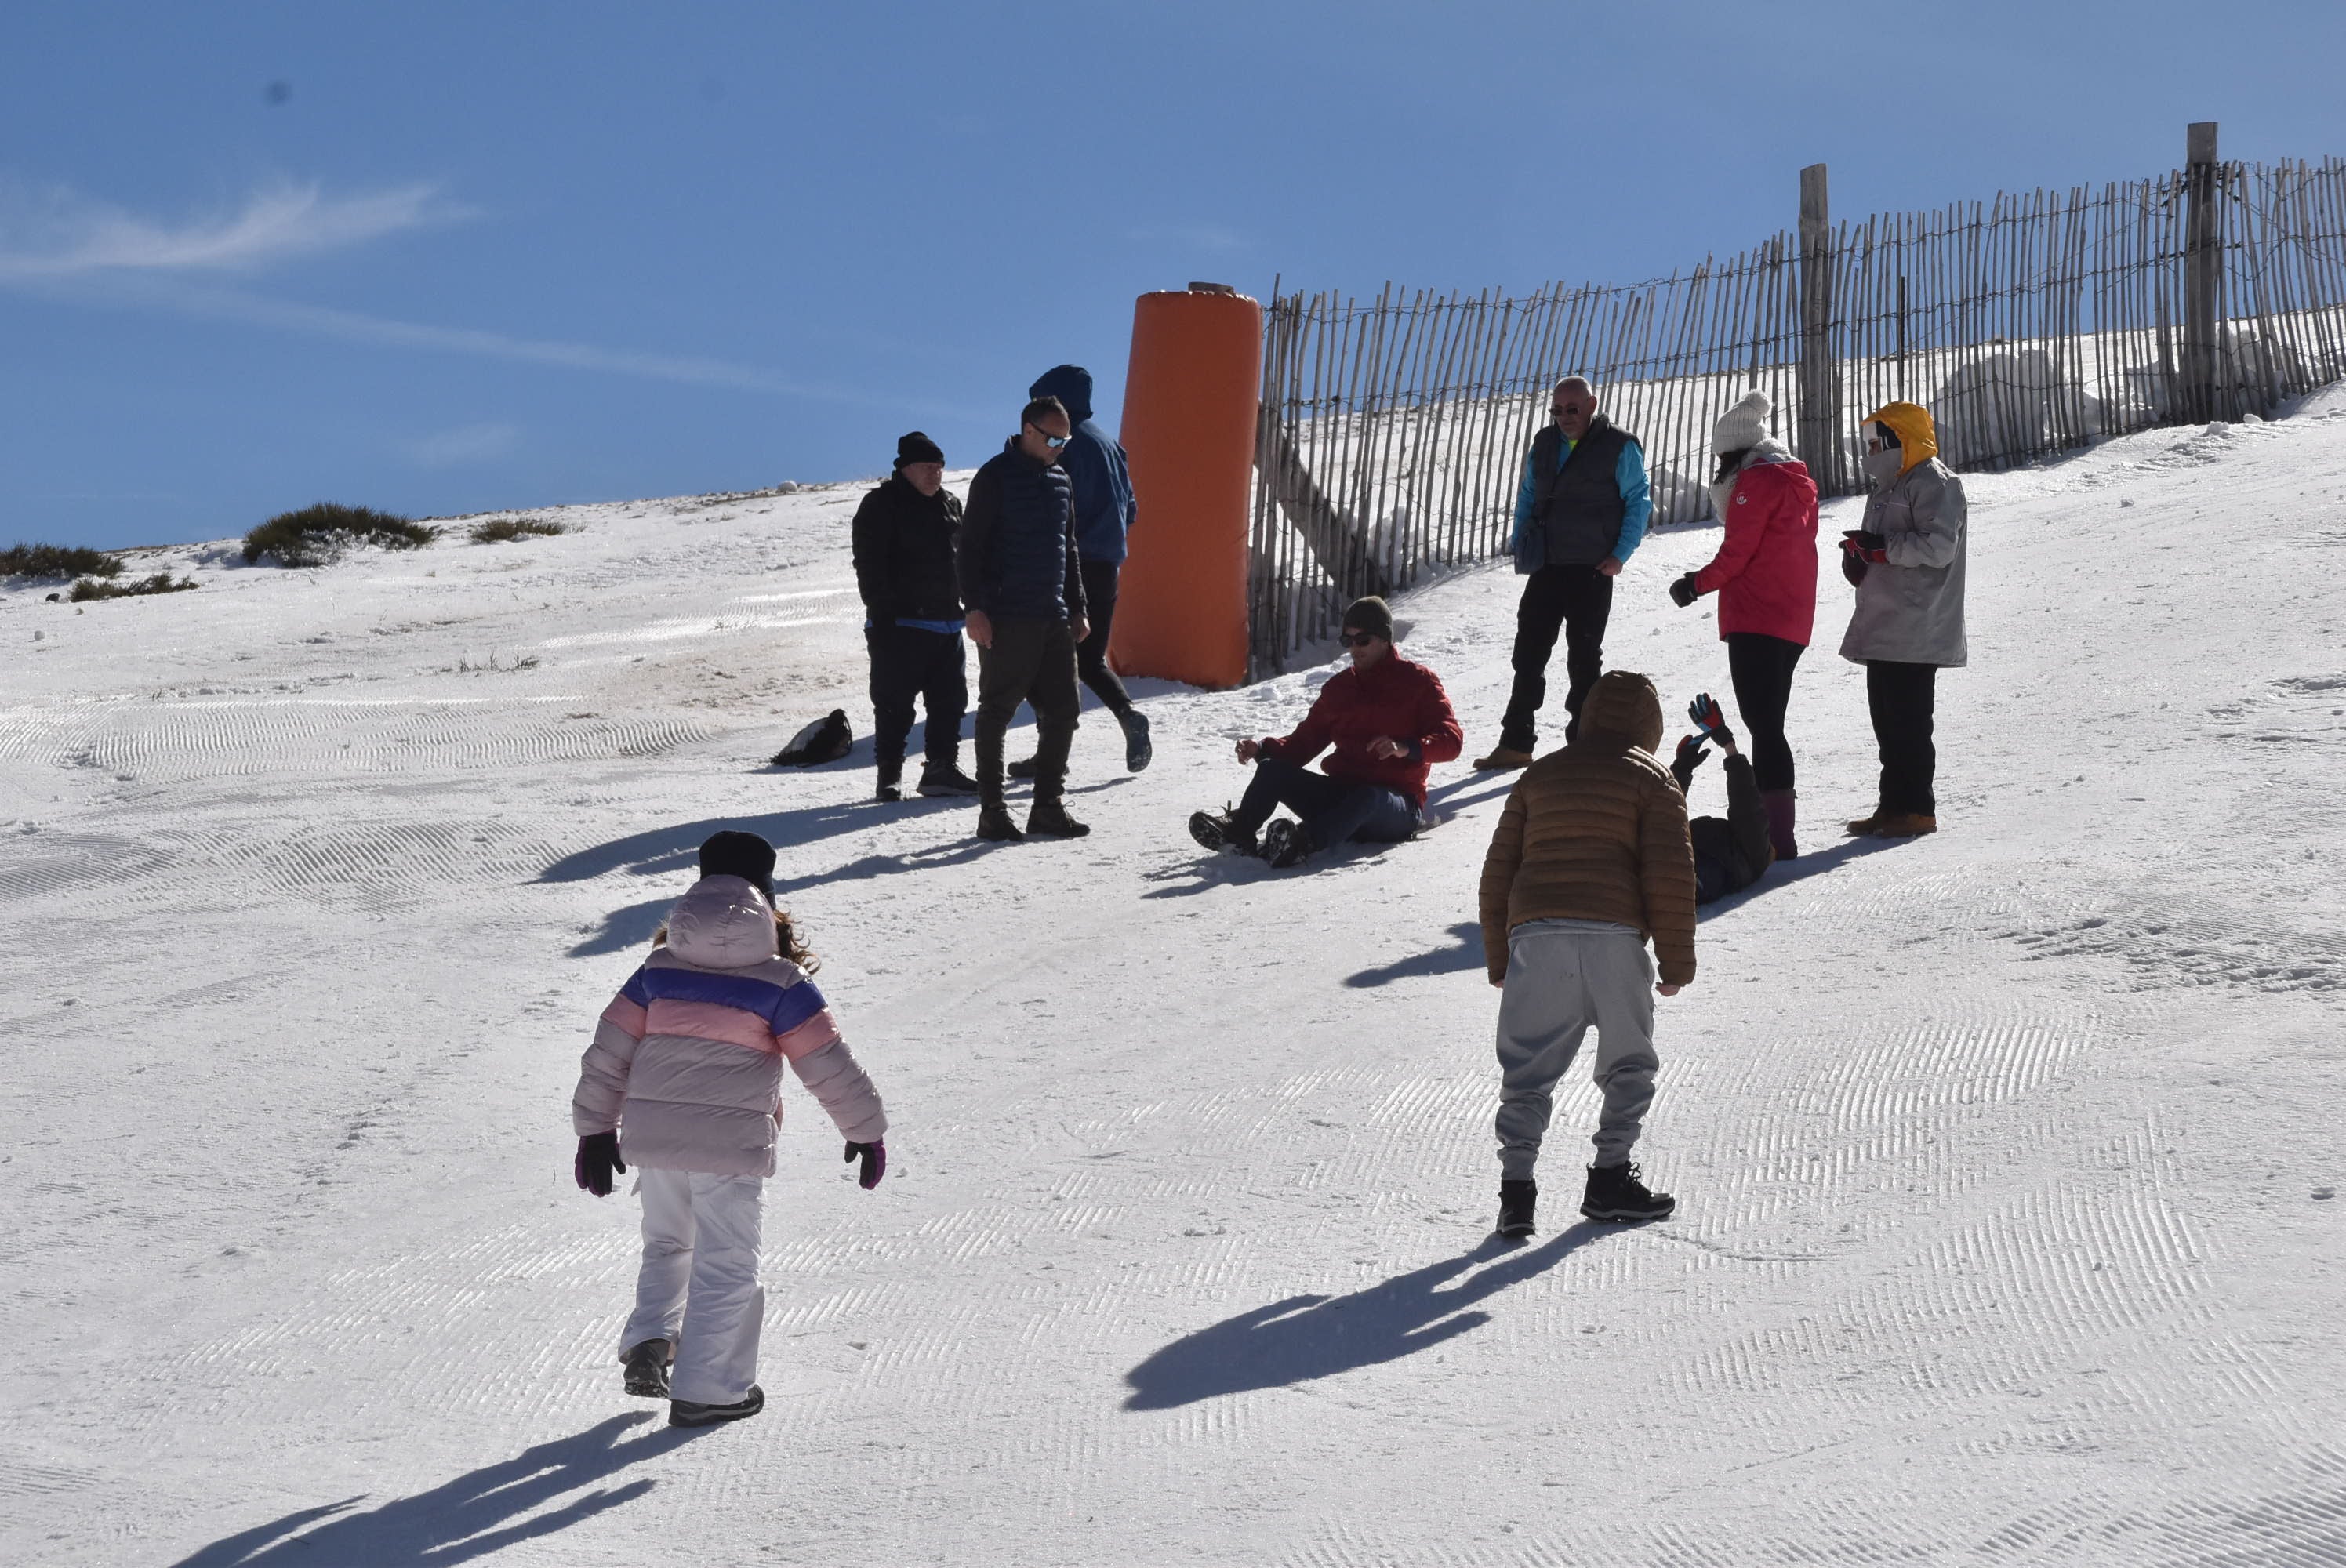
1104,513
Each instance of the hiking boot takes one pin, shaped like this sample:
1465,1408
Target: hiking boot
889,786
646,1365
1022,768
1781,806
993,823
1283,843
1615,1193
1502,760
685,1413
946,778
1220,830
1137,752
1863,826
1517,1200
1905,825
1050,817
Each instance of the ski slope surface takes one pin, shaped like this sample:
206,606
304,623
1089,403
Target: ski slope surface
2005,1158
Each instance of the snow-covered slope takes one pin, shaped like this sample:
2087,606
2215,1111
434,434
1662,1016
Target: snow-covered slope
2004,1157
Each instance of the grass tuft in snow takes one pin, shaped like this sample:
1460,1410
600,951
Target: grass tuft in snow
56,561
316,534
160,583
503,530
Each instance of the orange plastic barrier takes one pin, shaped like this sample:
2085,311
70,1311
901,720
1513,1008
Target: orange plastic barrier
1191,399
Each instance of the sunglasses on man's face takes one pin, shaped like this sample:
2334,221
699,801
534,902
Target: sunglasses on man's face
1358,639
1053,441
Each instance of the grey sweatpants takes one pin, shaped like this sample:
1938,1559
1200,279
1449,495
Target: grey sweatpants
1565,977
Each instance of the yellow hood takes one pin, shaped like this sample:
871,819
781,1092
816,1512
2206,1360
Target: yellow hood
1918,439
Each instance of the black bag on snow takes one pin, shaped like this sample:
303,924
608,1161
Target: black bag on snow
825,741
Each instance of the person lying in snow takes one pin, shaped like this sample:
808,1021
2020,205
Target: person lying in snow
1388,721
1733,852
684,1079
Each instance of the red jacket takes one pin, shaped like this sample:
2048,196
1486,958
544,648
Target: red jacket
1765,573
1393,696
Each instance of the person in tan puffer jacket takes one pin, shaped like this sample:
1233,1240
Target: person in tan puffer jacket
1591,858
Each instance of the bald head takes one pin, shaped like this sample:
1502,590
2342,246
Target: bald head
1573,404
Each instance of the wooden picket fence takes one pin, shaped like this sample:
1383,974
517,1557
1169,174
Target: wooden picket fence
1394,430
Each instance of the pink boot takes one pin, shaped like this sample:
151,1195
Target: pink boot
1778,804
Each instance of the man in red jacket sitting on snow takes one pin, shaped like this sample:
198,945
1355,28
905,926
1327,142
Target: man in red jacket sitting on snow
1388,719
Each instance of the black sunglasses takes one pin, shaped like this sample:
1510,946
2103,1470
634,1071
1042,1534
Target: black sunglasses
1358,639
1053,441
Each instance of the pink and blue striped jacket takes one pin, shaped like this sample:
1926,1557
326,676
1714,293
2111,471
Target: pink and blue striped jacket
687,1062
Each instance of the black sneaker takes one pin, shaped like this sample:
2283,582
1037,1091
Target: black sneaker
685,1413
1615,1193
1516,1200
993,823
889,787
1219,829
1050,819
646,1366
1283,843
1137,752
1022,768
945,779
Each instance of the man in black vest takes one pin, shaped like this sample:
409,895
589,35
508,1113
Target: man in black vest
1024,590
1581,509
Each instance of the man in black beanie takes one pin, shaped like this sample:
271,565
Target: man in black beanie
905,532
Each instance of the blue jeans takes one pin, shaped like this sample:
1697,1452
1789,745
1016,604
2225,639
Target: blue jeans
1332,810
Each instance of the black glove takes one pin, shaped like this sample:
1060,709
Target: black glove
1683,591
598,1157
1852,565
1861,542
1691,751
874,1155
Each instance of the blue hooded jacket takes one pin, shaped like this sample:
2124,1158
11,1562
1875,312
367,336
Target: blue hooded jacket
1095,462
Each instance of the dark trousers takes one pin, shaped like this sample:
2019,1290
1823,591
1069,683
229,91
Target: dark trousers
1901,697
909,663
1332,810
1733,852
1032,662
1761,667
1578,600
1091,654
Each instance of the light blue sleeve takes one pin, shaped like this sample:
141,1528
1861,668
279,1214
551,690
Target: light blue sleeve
1636,501
1525,492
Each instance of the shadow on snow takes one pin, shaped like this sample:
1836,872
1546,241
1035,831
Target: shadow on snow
1783,874
469,1517
1308,1337
1465,953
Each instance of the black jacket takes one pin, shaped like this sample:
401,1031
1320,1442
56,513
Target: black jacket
1732,853
1580,506
904,553
1018,540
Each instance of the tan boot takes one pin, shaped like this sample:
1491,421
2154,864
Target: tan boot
1502,759
1863,826
1905,825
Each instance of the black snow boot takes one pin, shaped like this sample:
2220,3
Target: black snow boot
1215,830
1050,819
1138,750
646,1366
1616,1194
889,786
1284,843
1023,768
685,1413
1516,1201
946,778
993,824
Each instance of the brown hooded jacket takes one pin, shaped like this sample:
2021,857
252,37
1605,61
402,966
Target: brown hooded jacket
1597,831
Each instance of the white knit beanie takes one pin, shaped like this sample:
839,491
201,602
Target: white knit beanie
1743,426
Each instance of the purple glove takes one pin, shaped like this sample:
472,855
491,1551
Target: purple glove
598,1157
874,1155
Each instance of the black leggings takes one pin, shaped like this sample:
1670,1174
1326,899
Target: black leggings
1761,667
1091,654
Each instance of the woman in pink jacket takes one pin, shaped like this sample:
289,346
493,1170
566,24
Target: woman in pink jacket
684,1079
1765,576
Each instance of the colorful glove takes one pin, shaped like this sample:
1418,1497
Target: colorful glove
1683,591
598,1157
1691,751
874,1155
1708,720
1871,546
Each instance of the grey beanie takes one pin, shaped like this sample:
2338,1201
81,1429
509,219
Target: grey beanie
1744,426
1372,616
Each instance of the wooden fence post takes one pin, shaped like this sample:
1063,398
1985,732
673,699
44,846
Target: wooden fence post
1819,417
2203,263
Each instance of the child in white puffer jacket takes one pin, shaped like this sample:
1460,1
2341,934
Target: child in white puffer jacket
684,1080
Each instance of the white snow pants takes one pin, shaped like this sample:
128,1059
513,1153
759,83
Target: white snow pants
698,1286
1563,976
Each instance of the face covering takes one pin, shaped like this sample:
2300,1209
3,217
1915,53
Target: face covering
1884,467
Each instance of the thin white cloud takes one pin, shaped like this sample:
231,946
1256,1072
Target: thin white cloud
465,443
58,233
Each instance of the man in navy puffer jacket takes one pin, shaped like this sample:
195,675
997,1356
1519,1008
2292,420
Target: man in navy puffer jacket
1019,577
1103,513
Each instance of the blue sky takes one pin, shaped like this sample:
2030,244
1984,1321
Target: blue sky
447,258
